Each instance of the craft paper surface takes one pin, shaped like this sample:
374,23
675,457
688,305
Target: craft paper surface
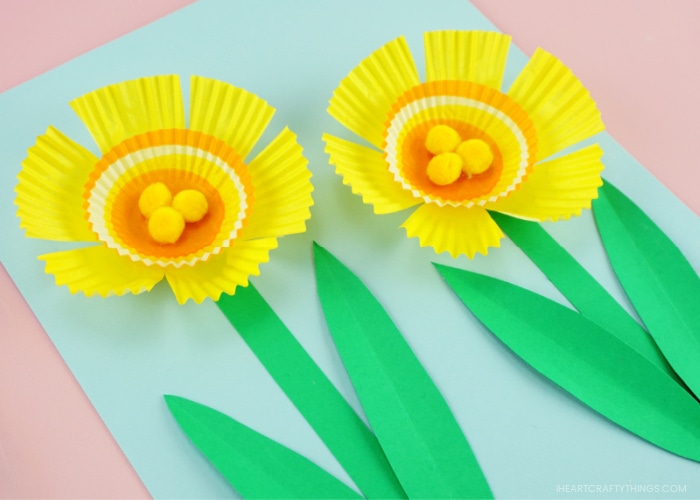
128,351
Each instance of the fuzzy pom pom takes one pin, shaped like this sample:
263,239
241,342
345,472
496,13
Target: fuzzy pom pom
155,196
192,204
442,139
476,156
444,168
166,225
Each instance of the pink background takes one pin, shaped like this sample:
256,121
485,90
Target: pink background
638,59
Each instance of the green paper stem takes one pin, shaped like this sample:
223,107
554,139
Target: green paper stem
586,360
580,288
661,284
409,416
254,465
324,408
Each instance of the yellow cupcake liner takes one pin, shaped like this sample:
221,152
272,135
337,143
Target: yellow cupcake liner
364,170
557,189
100,270
231,114
50,186
384,75
222,273
474,56
283,188
120,111
456,230
562,110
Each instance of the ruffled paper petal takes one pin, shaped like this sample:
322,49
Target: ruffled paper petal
365,171
282,189
557,189
100,270
364,97
474,56
559,105
120,111
229,113
50,188
456,230
221,273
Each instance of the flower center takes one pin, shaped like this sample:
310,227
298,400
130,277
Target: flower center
452,155
167,215
455,113
202,181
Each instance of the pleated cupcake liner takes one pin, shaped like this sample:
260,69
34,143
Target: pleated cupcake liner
119,111
201,156
477,106
475,56
231,114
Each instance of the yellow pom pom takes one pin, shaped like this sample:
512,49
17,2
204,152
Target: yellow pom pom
444,168
153,197
442,139
476,156
191,204
166,225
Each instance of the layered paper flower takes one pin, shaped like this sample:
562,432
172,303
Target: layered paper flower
165,199
457,147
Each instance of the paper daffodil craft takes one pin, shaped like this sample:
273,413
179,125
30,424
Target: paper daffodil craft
164,200
456,146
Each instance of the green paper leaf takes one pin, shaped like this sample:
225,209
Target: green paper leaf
579,287
662,285
324,408
256,466
412,421
584,359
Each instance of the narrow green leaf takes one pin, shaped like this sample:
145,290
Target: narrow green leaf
324,408
412,421
662,285
586,360
253,464
579,287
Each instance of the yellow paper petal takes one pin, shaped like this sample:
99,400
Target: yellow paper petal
457,230
283,189
559,105
100,270
221,273
364,97
365,171
229,113
557,189
50,189
475,56
117,112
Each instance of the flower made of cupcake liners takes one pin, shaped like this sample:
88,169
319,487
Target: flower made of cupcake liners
457,147
165,200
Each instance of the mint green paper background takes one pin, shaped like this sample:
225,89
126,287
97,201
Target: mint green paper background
126,352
